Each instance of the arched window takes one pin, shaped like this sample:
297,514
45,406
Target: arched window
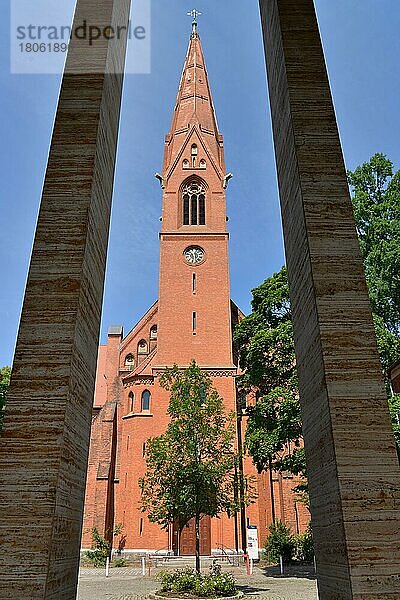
195,152
153,332
202,209
194,209
143,347
203,164
186,209
130,362
194,204
146,401
186,164
131,398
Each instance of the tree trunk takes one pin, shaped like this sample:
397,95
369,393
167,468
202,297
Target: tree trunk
197,528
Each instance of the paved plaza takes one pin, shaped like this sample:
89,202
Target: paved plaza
129,584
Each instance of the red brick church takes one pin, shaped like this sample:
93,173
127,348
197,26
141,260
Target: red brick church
193,317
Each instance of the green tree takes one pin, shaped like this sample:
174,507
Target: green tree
101,548
266,353
394,408
190,468
5,374
280,543
265,338
274,433
376,202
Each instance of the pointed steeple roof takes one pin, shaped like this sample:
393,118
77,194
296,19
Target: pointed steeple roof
194,101
194,106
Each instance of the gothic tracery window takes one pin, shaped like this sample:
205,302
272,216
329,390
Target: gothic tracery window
194,204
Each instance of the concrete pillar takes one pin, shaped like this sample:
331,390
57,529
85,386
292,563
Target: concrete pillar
353,468
44,445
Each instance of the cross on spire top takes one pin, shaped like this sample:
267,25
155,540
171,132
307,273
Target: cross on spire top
194,14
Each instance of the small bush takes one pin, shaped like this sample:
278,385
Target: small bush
198,584
280,542
100,549
120,562
305,546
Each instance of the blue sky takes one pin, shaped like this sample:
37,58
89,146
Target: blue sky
362,46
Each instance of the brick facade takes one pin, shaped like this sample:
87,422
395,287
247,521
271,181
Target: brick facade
192,318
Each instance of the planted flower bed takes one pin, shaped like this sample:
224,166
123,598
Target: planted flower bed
187,583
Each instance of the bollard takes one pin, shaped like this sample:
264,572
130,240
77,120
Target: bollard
251,566
107,566
281,565
143,566
246,558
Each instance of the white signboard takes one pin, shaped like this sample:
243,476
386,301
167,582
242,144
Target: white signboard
252,542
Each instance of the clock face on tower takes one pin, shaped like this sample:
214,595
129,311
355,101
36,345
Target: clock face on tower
194,255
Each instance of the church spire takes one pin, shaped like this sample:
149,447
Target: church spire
194,108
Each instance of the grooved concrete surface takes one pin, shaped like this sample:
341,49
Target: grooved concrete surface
128,584
45,441
354,475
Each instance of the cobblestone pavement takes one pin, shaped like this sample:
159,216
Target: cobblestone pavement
129,584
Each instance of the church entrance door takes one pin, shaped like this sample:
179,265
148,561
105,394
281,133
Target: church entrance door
188,538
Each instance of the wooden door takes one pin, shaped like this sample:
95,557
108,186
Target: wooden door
188,538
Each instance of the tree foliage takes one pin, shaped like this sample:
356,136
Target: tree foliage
265,338
274,432
5,374
279,543
376,202
101,547
394,408
266,353
190,468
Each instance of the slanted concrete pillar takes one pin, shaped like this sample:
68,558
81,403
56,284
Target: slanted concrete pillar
44,445
353,468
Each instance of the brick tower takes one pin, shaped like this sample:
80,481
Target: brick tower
194,295
192,319
194,306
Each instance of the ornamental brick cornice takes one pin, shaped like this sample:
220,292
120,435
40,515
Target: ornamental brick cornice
139,381
211,371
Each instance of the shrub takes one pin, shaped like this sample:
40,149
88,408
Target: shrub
100,549
280,542
305,546
198,584
120,562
